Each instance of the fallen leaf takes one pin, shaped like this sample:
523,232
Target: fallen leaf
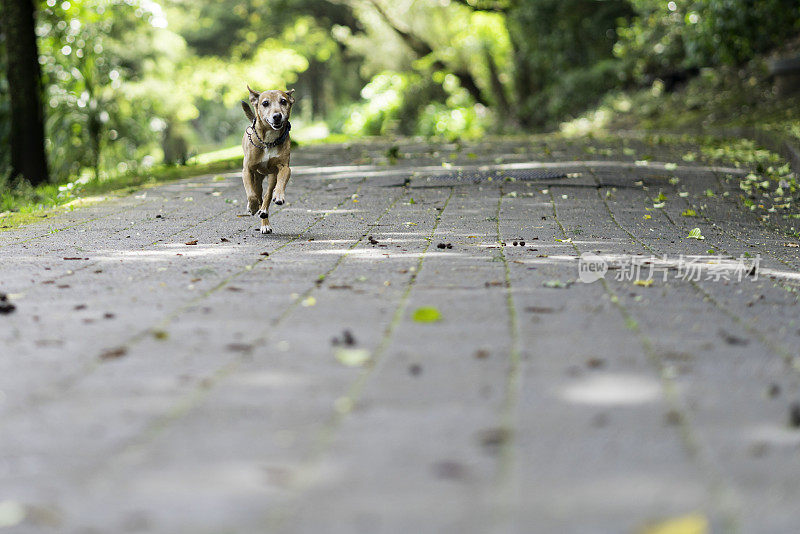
347,339
540,309
688,524
688,212
308,301
494,437
239,347
556,284
730,339
794,415
643,283
112,354
192,242
427,314
352,357
695,234
792,245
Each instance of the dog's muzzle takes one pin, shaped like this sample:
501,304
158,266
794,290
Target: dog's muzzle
276,121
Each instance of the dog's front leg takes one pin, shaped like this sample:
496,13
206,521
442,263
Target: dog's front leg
252,188
272,179
283,176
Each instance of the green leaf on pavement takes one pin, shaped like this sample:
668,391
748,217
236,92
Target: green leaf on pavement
556,284
695,234
352,357
427,314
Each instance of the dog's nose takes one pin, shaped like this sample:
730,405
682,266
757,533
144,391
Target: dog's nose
277,117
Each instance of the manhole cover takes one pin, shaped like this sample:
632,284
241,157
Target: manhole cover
475,177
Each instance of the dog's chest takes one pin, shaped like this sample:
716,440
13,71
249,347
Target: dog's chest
269,153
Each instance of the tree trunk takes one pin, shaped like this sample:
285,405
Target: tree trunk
502,105
24,87
523,84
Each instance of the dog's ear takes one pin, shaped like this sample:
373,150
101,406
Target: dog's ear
253,96
289,94
248,111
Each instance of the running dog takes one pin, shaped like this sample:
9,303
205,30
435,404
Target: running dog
266,147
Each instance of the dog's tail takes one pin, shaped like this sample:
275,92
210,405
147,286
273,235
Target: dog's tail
248,111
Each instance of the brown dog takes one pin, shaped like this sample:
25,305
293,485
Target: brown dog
266,148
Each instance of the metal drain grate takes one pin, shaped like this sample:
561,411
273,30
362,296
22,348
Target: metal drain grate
476,177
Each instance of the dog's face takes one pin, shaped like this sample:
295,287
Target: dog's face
272,107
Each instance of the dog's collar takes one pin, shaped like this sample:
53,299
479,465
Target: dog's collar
263,145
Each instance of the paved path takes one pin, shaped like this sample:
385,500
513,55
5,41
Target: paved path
158,386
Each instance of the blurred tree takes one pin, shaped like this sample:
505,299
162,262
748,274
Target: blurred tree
24,87
562,55
669,40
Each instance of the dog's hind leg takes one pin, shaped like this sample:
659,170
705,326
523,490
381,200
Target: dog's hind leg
264,211
253,189
283,176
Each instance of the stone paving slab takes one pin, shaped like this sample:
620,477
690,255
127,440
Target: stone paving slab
163,387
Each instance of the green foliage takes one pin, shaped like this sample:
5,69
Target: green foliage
397,103
562,53
92,51
666,37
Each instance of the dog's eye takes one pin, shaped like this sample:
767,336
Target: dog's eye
265,103
283,102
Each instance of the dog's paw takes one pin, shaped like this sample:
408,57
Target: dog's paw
263,214
278,199
266,229
253,204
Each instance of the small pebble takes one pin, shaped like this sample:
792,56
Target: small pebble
6,307
595,363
